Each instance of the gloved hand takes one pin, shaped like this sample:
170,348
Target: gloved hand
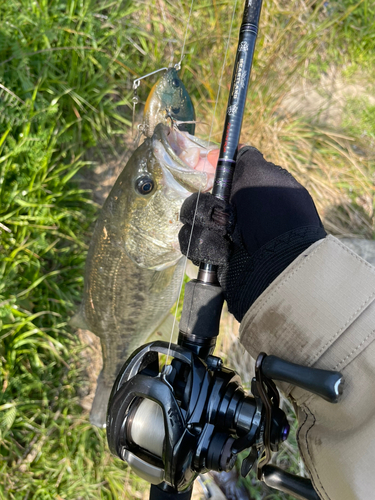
271,220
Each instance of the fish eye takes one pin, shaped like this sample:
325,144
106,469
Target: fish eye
175,82
175,111
145,184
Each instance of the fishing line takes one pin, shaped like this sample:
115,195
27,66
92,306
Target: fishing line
204,169
178,65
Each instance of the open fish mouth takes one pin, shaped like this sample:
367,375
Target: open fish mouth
186,157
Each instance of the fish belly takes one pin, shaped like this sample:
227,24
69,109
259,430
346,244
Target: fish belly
123,305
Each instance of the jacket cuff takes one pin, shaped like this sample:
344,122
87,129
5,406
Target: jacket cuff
313,313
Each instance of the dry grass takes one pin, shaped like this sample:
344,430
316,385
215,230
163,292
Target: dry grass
336,165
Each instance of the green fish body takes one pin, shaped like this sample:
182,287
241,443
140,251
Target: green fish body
133,268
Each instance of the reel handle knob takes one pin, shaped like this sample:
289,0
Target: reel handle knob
324,383
299,487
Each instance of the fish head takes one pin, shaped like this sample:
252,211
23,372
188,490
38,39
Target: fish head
148,195
169,97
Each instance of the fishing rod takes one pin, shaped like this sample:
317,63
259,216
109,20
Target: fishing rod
171,422
191,336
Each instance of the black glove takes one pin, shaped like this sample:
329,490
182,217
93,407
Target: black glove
271,219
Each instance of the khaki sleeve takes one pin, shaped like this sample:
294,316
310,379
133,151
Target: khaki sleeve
320,312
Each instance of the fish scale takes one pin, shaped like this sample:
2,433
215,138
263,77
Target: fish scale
124,287
133,311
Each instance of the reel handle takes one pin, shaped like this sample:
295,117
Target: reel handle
299,487
324,383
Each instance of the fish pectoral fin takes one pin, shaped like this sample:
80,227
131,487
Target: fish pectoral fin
78,320
191,270
164,330
161,279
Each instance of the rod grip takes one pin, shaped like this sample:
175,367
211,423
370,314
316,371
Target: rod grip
324,383
299,487
200,318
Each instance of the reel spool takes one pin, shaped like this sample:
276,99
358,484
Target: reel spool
173,422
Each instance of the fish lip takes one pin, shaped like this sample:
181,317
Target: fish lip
161,134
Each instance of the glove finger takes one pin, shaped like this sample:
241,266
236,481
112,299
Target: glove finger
204,245
209,211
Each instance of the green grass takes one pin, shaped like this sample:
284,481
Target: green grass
73,58
65,86
48,448
63,75
356,32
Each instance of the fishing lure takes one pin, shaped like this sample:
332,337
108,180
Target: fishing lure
168,99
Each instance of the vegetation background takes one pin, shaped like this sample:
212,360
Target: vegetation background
66,70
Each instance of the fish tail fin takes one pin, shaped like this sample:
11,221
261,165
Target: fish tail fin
98,414
78,320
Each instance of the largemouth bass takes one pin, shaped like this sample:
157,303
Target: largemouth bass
168,97
134,268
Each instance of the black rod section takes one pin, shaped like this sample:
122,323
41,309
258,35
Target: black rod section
236,102
200,317
237,99
164,492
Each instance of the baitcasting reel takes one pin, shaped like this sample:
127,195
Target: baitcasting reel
171,422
